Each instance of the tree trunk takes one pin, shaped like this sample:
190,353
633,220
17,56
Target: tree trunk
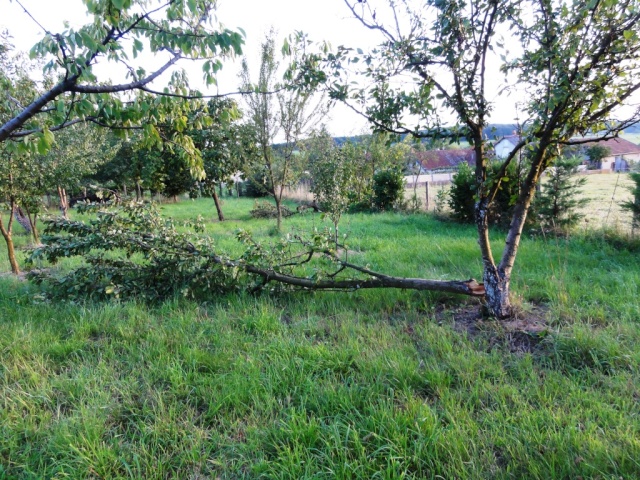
216,200
496,280
496,287
33,222
64,203
21,218
124,189
6,233
278,213
15,269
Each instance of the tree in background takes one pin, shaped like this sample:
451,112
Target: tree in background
226,145
596,153
75,156
560,197
18,187
278,114
332,177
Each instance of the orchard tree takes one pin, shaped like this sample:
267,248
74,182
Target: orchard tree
596,154
226,146
574,63
332,177
173,31
18,187
284,117
77,154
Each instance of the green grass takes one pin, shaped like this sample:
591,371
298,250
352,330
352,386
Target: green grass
371,384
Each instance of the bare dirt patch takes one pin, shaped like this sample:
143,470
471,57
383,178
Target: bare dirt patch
520,334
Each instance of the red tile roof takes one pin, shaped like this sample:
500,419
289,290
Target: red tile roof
441,159
617,146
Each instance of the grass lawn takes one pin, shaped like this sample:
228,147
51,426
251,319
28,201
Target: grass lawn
376,384
604,192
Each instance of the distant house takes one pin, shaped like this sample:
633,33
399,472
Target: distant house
443,160
622,153
505,145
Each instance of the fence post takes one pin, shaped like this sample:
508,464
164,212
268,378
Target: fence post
426,200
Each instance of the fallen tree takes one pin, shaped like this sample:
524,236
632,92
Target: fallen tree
132,252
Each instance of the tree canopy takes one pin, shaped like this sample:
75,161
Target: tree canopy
120,31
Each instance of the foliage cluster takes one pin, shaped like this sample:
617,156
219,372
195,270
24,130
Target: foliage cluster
129,253
388,189
560,199
267,209
463,194
634,205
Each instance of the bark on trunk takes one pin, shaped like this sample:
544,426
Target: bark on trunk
278,213
22,219
496,280
34,229
6,233
33,222
496,287
216,200
15,269
64,202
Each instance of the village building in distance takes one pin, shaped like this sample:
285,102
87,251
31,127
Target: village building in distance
622,153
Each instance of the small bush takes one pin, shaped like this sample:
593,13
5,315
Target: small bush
268,210
388,189
462,195
254,187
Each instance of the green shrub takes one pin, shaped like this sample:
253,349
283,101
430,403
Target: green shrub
255,186
462,195
266,209
560,197
388,189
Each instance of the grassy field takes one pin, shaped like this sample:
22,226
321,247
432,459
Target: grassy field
605,194
376,384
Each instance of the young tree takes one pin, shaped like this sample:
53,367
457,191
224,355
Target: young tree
596,153
226,146
578,62
332,178
18,187
560,197
285,116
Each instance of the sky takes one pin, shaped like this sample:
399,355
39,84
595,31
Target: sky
325,20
